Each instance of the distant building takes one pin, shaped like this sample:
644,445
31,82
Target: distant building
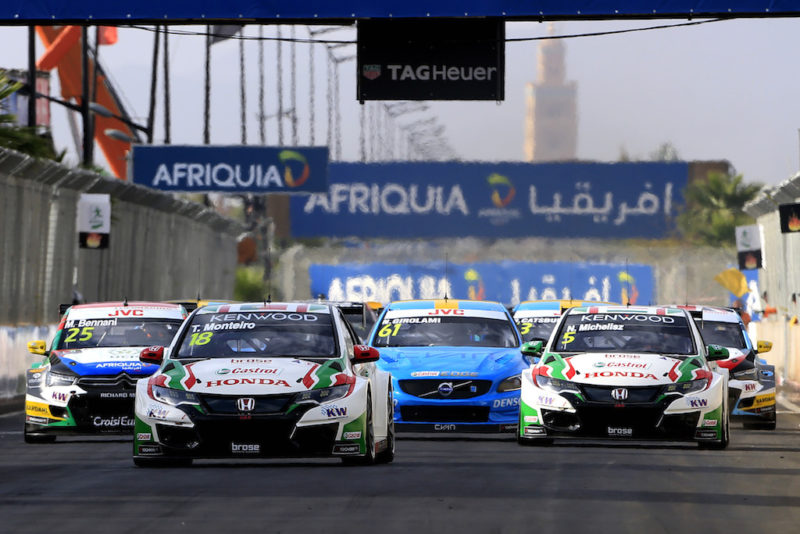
551,115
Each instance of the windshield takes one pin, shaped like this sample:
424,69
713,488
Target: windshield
536,327
461,331
362,327
115,332
625,332
725,334
273,334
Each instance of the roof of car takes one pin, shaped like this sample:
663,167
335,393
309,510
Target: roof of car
540,308
138,309
293,307
713,313
446,304
646,310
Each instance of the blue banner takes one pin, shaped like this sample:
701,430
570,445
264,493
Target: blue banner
507,282
412,200
231,169
201,10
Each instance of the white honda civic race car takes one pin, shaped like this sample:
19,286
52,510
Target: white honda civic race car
264,380
625,372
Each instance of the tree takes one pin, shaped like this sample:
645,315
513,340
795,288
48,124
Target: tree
714,208
20,138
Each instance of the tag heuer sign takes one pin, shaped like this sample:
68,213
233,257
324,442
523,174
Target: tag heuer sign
461,59
371,72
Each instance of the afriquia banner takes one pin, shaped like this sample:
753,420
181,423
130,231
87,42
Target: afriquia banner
411,200
231,169
507,282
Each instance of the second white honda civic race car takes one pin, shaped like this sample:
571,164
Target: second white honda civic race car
625,372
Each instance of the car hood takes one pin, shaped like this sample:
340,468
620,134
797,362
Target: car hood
622,369
103,361
453,362
252,376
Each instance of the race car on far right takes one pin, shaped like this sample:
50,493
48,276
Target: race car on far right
751,388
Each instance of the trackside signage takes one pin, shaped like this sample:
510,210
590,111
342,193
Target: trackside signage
415,200
431,59
507,282
231,169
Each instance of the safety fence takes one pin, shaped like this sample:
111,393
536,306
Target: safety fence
779,277
160,247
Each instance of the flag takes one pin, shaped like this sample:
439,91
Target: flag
733,280
108,35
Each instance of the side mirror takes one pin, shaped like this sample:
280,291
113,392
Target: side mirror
38,347
153,354
365,354
533,348
715,352
763,346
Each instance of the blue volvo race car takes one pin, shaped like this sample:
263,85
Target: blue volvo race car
455,365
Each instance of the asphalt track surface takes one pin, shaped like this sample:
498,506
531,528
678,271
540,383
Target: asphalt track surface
440,484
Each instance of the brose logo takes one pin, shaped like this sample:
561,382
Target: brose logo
249,448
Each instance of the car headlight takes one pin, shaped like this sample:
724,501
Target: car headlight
749,374
318,396
685,388
58,379
174,397
512,383
556,385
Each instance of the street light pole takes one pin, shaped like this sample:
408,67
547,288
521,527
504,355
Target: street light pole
88,137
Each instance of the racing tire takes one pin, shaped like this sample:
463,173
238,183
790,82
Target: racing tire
387,455
38,438
369,441
726,436
162,462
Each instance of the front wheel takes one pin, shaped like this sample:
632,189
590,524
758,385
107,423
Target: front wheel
38,438
726,435
369,441
387,455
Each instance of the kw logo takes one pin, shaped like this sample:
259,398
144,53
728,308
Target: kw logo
698,403
334,411
291,155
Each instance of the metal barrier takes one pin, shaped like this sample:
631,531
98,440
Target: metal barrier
160,248
779,277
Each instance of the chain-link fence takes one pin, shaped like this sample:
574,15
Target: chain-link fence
160,248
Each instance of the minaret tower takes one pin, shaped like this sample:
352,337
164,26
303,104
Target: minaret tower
551,115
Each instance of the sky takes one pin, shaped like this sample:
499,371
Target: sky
722,90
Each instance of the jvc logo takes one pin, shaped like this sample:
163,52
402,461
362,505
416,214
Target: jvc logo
334,411
698,403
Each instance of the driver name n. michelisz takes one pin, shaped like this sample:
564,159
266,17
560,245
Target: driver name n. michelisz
620,372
